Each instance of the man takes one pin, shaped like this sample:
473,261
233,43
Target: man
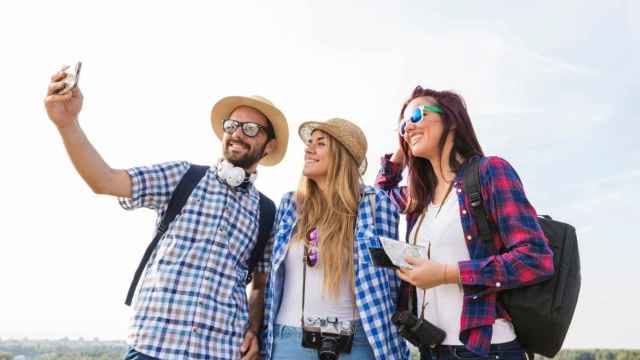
192,301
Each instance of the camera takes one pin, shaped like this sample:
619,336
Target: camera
419,332
329,336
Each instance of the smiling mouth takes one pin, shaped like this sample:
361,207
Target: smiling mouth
235,145
310,162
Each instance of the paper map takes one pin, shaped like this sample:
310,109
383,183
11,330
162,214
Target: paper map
397,250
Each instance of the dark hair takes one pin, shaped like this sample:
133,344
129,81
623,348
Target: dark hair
271,134
422,179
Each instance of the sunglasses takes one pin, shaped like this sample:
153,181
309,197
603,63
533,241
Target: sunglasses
312,253
248,128
417,116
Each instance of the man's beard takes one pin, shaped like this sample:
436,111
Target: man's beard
248,159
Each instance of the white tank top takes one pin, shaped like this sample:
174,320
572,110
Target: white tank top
444,302
316,304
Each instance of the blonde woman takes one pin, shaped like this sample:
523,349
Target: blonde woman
322,277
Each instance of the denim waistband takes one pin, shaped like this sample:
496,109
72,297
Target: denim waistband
284,331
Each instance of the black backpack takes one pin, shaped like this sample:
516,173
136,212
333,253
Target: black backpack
179,197
541,313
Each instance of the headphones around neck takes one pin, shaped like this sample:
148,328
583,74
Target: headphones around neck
233,175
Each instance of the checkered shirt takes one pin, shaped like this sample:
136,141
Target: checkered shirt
376,288
525,256
192,302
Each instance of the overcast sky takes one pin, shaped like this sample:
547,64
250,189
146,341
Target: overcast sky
550,86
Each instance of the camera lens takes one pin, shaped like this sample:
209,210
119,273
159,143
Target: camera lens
327,350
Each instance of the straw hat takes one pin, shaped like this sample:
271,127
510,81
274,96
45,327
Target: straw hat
345,132
225,106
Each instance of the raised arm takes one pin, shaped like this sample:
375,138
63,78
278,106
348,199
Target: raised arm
389,176
63,111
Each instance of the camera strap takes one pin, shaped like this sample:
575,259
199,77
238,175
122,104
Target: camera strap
304,281
415,241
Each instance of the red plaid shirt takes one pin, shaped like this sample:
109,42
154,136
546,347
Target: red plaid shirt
525,257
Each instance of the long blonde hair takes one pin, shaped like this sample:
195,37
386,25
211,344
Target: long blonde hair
334,215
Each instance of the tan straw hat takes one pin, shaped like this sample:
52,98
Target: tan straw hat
345,132
225,106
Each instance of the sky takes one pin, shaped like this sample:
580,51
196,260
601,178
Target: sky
549,85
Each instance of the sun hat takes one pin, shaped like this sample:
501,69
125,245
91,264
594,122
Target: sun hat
225,106
345,132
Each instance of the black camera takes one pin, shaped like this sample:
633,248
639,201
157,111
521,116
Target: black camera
419,332
330,336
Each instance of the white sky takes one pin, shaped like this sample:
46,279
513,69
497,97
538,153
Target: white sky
551,86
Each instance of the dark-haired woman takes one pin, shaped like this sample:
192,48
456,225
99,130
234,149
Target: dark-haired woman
457,284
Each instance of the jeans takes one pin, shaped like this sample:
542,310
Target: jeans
507,351
287,345
133,354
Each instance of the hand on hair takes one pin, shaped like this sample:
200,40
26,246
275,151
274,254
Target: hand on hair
398,157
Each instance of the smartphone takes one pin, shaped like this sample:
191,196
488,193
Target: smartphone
71,80
380,258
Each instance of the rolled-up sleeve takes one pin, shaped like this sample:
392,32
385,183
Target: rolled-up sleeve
153,185
388,178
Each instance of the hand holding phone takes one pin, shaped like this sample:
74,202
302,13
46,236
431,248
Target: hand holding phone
61,104
71,79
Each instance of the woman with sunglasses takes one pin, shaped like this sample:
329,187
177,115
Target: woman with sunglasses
458,281
323,285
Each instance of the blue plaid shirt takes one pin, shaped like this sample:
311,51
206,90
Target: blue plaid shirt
375,288
192,302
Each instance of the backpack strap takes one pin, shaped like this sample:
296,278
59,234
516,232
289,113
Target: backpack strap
267,217
179,197
472,189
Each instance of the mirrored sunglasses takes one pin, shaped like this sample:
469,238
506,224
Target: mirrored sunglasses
417,115
248,128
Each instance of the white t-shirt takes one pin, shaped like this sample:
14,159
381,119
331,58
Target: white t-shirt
316,304
444,302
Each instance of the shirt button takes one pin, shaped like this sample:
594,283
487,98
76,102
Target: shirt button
468,237
498,284
195,329
221,229
464,212
475,298
459,190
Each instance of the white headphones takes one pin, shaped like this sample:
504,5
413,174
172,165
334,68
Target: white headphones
233,175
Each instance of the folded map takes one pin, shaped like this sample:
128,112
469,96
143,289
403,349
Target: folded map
397,250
